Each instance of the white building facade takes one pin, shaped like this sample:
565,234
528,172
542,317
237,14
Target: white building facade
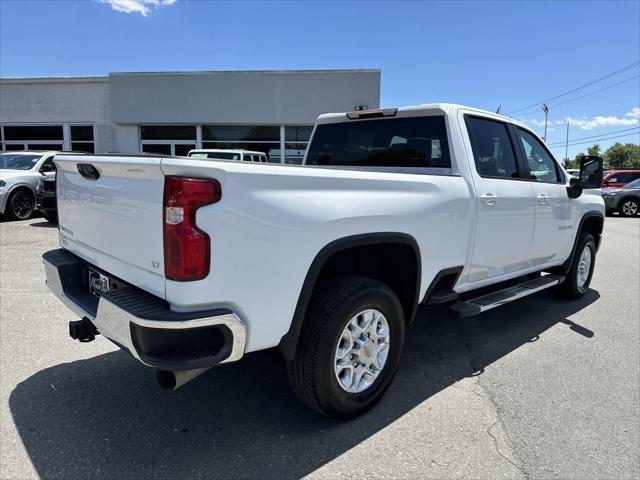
173,112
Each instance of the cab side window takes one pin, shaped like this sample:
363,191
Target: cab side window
492,148
541,166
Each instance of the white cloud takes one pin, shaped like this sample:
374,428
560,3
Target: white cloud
143,7
537,123
585,123
635,113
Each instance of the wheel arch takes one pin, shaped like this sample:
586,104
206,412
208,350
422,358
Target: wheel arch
591,222
331,252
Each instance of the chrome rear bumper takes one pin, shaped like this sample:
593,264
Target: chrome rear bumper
144,325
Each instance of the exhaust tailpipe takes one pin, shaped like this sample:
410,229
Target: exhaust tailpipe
168,380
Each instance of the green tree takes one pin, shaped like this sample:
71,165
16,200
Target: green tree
595,150
622,156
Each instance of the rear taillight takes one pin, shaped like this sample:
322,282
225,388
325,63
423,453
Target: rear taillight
186,248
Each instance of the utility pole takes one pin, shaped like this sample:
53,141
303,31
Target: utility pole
566,146
545,109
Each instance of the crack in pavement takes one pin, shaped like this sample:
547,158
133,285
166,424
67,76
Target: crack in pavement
499,421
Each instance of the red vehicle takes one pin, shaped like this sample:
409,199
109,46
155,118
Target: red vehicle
619,178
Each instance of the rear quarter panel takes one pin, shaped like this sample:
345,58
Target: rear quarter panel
273,220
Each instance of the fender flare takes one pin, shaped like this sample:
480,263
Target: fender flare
566,266
289,341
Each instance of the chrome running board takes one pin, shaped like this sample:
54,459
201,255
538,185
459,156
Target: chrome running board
476,306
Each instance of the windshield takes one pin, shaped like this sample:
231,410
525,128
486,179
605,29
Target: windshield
218,155
634,184
18,162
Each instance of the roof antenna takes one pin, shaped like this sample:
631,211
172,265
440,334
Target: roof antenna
499,108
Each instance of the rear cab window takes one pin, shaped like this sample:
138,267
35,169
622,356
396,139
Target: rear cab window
405,142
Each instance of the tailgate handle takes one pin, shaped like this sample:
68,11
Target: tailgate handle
88,171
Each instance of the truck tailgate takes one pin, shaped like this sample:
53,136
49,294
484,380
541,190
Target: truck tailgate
114,221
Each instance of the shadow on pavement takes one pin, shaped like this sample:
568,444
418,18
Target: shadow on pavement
105,418
45,224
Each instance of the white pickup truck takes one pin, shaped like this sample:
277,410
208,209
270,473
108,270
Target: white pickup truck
189,263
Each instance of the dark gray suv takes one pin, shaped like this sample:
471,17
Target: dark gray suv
625,200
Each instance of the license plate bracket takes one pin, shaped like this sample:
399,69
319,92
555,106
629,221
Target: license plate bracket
99,284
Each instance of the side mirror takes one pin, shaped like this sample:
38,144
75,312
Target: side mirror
591,171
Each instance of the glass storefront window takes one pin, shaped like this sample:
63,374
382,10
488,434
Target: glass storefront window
167,132
297,134
235,133
158,148
33,132
294,153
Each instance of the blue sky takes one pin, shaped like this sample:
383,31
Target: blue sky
477,53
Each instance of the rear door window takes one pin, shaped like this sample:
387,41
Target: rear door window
492,148
413,142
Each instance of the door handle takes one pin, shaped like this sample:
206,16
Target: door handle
543,198
488,199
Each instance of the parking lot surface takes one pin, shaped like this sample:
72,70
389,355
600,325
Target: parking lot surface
540,388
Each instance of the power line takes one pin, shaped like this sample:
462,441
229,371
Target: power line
578,88
633,105
597,140
594,136
553,105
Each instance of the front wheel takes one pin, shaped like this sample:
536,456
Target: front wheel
578,278
628,207
349,347
21,205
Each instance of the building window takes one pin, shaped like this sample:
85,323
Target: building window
32,137
168,139
297,139
82,138
259,138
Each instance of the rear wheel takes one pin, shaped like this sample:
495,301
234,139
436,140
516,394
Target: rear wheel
578,278
349,347
628,207
21,204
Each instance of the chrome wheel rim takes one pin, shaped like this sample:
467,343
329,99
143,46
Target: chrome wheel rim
22,205
630,208
362,351
584,268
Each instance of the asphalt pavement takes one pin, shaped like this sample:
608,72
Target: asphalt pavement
540,388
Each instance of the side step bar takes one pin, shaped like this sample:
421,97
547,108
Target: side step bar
481,304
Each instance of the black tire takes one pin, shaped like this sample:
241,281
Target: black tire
629,207
312,373
21,204
572,287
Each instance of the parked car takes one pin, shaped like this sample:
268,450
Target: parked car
175,261
619,178
625,200
220,154
19,176
46,198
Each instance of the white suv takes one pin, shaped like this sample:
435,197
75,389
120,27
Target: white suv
220,154
20,173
